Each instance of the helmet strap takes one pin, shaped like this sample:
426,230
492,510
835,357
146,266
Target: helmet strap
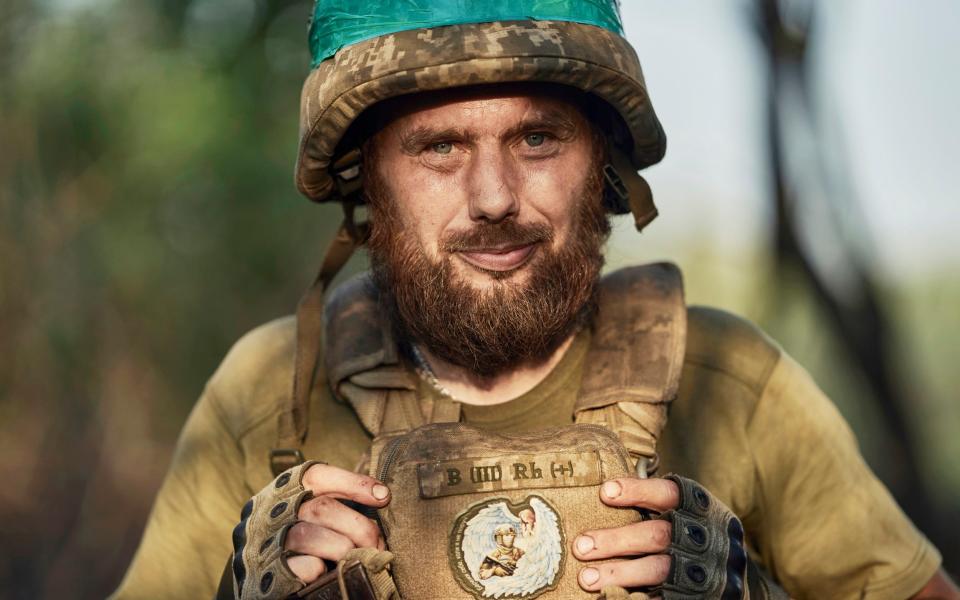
627,191
294,416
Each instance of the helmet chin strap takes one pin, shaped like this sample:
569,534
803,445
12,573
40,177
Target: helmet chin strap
626,191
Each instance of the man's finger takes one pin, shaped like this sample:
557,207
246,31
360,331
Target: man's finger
307,568
333,514
316,540
326,480
656,494
646,571
647,537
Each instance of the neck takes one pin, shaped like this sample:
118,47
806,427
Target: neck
466,387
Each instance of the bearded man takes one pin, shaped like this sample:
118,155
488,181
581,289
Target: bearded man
490,152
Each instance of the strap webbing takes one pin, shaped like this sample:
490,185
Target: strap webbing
627,191
635,357
294,415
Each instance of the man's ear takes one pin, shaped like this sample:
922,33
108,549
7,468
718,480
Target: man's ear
626,191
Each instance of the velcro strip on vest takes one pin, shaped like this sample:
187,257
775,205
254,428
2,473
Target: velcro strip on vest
514,472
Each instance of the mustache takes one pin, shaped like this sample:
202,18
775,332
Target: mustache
489,235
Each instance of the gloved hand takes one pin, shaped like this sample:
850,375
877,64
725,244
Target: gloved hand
259,563
692,549
295,523
706,547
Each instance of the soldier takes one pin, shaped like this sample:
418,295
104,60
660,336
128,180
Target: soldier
490,144
502,562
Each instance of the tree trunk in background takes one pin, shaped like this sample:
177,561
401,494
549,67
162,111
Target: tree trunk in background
857,320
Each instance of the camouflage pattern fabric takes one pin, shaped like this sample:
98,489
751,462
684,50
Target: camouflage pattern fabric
585,57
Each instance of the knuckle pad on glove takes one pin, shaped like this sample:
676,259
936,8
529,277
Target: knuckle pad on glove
259,561
708,558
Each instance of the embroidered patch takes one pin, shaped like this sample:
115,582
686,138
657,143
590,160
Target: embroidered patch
507,551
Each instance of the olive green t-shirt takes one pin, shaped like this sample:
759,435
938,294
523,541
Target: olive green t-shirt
748,423
549,404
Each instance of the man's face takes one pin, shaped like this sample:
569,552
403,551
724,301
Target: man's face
487,223
453,167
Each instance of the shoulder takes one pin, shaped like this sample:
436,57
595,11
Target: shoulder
254,375
727,367
730,347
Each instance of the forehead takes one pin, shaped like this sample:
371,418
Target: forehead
489,106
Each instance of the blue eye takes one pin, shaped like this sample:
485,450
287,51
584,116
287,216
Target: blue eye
442,147
535,139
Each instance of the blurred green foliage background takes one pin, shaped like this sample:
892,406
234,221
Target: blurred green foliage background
148,218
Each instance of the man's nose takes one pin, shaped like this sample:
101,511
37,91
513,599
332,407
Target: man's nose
491,190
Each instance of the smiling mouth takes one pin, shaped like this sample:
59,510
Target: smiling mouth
502,259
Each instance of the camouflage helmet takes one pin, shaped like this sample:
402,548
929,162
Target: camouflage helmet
368,51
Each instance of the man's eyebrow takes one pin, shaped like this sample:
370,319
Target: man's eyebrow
414,140
553,121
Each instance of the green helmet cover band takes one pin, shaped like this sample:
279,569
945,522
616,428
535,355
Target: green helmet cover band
339,23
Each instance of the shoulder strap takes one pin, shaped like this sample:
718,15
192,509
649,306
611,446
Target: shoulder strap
364,366
360,356
293,417
636,356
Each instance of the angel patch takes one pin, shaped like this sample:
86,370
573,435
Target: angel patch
507,551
